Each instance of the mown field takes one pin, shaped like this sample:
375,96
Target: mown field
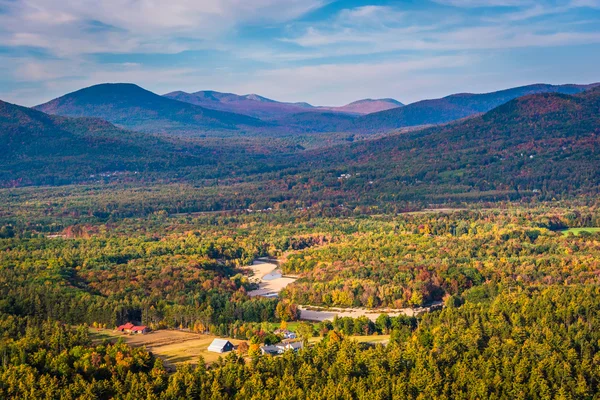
577,231
174,347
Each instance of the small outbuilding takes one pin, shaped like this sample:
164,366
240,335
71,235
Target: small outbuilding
221,346
270,350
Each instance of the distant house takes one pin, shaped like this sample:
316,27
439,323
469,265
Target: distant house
295,346
221,346
131,328
270,350
281,348
286,334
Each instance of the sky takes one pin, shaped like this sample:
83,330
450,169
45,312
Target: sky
324,52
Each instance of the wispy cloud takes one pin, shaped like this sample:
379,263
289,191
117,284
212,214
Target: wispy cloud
411,32
138,25
322,51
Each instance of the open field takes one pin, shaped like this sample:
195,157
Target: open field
174,347
291,326
577,231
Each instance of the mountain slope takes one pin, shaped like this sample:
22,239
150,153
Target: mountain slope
135,108
314,121
450,108
547,142
40,148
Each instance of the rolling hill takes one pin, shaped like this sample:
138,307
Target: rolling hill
132,107
265,108
37,148
42,149
450,108
546,143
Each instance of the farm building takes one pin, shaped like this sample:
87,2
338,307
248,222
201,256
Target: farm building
270,349
126,327
220,346
140,329
131,328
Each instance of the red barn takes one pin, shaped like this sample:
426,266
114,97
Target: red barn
131,328
126,328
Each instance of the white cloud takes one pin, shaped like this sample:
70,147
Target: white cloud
389,30
70,27
441,40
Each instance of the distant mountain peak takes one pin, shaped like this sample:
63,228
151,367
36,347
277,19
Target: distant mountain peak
257,97
131,106
386,100
367,106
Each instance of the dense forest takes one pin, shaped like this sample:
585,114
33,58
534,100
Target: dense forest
534,343
472,249
520,319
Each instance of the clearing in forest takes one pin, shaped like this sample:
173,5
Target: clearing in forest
577,231
174,347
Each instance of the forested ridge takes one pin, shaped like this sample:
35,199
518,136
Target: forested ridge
543,145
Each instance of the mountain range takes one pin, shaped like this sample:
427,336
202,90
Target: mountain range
264,108
543,141
45,149
451,108
180,113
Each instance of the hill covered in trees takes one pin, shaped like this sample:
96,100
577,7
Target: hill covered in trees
37,148
451,108
544,143
132,107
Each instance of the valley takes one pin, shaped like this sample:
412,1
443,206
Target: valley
299,200
451,241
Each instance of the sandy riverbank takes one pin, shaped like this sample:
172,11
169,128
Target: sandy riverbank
269,278
318,314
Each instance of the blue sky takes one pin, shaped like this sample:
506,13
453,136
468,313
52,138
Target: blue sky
322,51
